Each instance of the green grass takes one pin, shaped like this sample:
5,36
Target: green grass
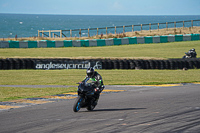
13,93
110,77
160,50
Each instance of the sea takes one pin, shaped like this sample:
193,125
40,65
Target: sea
27,25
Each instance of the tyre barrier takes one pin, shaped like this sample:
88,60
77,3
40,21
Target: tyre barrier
27,63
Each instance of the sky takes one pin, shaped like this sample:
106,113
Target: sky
101,7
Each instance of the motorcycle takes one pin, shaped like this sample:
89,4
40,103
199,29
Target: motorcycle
190,54
86,96
187,55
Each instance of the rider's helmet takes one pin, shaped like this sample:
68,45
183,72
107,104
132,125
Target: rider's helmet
90,72
193,49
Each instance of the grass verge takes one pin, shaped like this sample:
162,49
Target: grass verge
110,77
14,93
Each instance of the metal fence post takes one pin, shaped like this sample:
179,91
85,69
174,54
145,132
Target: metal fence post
123,29
141,27
97,31
192,23
150,27
49,33
80,33
88,32
175,25
166,25
132,28
158,26
115,30
70,33
60,33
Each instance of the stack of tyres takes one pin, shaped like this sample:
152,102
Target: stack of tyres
22,64
125,64
105,64
146,64
4,64
142,64
157,64
129,64
132,64
173,64
16,64
1,64
183,63
162,64
138,64
29,63
115,64
9,64
186,63
121,65
167,64
191,64
198,64
179,64
152,64
109,64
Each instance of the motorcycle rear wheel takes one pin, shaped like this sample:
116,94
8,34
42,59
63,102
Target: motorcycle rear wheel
91,106
77,103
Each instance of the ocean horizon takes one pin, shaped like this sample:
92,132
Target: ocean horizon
27,25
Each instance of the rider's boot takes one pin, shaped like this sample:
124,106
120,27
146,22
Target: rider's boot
96,99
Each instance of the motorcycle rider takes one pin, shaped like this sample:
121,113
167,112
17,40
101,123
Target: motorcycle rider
96,77
190,54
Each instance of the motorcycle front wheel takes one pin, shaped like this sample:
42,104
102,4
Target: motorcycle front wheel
77,104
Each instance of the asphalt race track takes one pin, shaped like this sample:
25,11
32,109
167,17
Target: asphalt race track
138,109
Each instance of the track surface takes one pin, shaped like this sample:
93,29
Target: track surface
138,109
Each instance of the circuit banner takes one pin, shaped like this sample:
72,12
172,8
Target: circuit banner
67,64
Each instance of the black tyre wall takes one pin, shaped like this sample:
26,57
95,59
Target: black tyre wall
15,63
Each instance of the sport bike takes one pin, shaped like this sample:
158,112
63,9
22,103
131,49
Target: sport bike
86,96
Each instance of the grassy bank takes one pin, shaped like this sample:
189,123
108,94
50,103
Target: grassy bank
160,50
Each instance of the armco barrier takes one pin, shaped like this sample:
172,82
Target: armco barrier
99,42
15,63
